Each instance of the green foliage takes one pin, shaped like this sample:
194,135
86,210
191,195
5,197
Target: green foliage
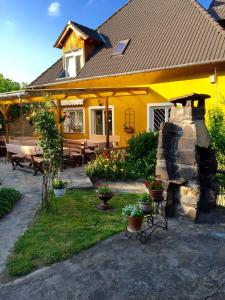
139,161
58,184
16,110
217,132
104,190
8,198
154,184
8,85
74,224
49,140
132,211
144,198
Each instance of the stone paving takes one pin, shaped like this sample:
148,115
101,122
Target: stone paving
14,224
185,263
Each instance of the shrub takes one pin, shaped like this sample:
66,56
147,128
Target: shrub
8,198
58,184
217,132
138,162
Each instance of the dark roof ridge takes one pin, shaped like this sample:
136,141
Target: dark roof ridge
116,12
211,4
45,71
208,16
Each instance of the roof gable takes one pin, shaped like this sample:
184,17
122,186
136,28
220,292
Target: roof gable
83,31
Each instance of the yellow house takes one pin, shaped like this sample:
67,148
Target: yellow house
128,68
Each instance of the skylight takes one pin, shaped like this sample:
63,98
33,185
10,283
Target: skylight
120,48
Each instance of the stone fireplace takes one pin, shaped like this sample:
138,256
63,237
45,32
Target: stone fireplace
185,162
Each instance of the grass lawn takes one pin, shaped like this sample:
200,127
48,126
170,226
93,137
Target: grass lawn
74,224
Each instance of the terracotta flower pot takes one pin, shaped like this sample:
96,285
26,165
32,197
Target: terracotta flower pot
156,195
134,224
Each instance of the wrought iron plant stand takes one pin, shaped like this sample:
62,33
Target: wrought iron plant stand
153,220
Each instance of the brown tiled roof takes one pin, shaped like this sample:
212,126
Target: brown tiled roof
217,9
163,34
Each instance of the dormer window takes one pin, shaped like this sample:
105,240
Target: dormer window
74,61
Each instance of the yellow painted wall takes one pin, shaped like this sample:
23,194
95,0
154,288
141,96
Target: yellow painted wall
163,86
159,92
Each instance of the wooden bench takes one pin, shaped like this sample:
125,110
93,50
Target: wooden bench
114,140
26,141
76,150
19,154
79,147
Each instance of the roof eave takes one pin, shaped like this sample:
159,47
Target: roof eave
60,81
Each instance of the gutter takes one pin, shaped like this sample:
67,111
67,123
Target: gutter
128,73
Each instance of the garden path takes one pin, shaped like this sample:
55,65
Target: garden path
14,224
185,263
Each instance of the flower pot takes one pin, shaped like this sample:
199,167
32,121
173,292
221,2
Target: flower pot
145,207
135,224
129,130
59,192
105,198
156,195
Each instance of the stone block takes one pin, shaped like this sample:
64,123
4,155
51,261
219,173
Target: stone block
188,172
186,144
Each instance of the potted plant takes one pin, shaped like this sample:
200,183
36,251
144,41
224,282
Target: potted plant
155,188
59,187
128,129
135,217
145,203
105,194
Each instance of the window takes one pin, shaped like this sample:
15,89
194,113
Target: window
73,63
98,121
120,48
157,114
74,120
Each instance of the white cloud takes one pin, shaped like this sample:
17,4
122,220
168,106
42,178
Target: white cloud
9,23
54,9
90,2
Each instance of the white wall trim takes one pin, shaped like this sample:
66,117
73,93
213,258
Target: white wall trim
149,105
102,108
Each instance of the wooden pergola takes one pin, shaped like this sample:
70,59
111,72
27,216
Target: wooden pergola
29,96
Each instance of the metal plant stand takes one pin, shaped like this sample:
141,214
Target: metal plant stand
152,221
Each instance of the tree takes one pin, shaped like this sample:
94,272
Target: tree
8,85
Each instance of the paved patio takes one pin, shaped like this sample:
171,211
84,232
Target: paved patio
186,263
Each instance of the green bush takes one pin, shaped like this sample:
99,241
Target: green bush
217,132
8,198
138,162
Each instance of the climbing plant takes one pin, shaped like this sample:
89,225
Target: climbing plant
43,119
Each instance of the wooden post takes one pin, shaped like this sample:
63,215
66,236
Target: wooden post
107,121
5,109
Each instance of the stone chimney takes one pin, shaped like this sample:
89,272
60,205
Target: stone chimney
185,161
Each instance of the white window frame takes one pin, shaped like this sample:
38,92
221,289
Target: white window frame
91,127
150,121
67,109
78,52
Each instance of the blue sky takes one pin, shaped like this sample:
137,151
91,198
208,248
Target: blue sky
29,28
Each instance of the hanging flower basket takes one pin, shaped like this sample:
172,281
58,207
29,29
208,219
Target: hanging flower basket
129,129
